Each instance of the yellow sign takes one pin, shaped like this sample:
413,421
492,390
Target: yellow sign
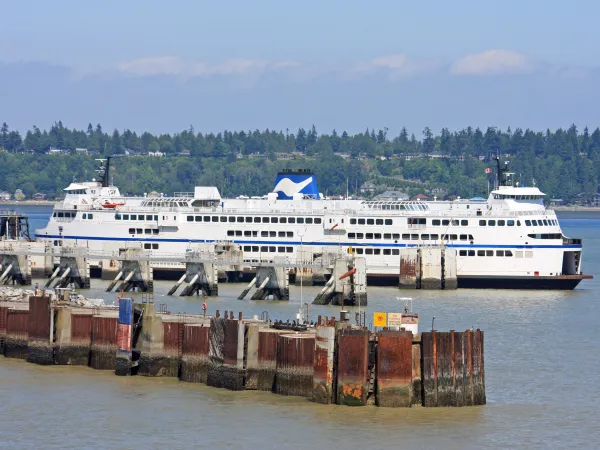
350,250
379,319
394,319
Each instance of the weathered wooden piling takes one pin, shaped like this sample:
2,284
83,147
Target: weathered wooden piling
194,358
352,365
17,323
40,330
295,364
103,348
323,364
393,385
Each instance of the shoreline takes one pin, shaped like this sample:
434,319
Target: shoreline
27,203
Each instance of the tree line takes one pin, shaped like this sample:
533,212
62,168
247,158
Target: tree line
563,163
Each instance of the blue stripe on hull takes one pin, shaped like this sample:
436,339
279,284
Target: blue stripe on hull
332,244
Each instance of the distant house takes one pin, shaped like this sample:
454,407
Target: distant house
81,151
421,197
156,154
368,187
392,196
39,196
556,202
184,152
57,151
4,196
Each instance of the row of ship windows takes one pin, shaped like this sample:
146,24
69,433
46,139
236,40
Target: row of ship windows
411,237
354,221
504,253
136,217
148,246
268,248
244,219
143,231
252,233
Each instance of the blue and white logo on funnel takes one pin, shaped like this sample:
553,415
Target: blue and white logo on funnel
289,183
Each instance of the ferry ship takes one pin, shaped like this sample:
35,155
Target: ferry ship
509,240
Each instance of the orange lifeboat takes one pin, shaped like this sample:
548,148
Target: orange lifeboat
112,205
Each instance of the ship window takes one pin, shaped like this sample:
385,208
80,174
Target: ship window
395,236
528,223
117,216
223,219
248,233
155,217
545,222
352,221
198,219
264,234
480,252
360,236
471,253
255,248
264,248
510,223
280,249
291,220
215,218
274,219
501,223
425,237
154,246
435,222
265,220
190,218
248,219
389,221
499,252
369,236
289,249
149,217
155,231
464,223
257,220
238,232
147,246
378,221
237,219
368,251
289,234
491,223
139,231
482,223
359,251
283,220
300,220
489,253
273,233
414,237
377,235
416,221
282,234
54,215
406,236
90,216
462,253
125,216
435,237
132,231
508,253
387,251
84,216
247,248
351,236
377,251
395,251
147,231
309,220
60,214
361,221
454,222
387,235
318,220
463,237
272,249
445,222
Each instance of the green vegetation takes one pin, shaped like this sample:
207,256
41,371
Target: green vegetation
563,163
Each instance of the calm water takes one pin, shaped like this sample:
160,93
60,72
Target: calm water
542,369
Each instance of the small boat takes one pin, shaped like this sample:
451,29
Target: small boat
112,205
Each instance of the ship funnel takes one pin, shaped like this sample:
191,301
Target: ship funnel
290,182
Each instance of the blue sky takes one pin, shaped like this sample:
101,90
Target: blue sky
160,66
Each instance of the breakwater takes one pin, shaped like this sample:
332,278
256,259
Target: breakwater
330,362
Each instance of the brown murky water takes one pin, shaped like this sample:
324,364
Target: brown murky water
542,365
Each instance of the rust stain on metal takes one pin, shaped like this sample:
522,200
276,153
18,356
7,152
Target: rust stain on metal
352,366
17,323
172,337
408,265
104,331
230,347
295,365
267,358
39,319
323,365
81,329
195,340
394,369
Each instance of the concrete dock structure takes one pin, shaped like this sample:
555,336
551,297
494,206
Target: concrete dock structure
332,362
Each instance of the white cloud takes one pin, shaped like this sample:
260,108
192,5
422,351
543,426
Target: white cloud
397,66
390,61
156,65
493,62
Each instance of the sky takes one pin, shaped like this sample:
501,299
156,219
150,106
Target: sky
345,65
